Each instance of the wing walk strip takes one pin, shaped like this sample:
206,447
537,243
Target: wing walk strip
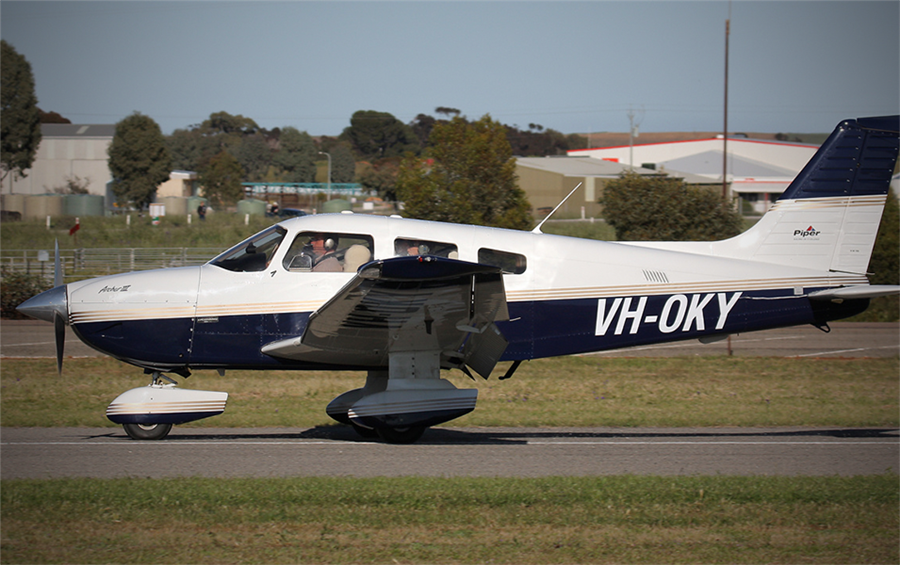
158,313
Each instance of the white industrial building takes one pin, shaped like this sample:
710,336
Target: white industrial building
758,170
66,152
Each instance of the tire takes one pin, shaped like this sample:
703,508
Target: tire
401,435
368,433
147,431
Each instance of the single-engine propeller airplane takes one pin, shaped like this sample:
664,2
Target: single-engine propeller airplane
403,299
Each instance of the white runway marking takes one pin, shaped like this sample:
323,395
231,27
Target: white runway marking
176,443
833,351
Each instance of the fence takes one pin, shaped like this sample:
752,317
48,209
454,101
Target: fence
82,263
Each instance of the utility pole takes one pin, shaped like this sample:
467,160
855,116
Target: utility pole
632,133
725,127
725,135
329,172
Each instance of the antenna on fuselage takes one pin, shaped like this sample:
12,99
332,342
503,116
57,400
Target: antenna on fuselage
538,228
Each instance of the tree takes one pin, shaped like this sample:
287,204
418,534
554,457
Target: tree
885,262
381,177
660,208
254,155
537,141
222,180
20,119
296,156
378,135
470,177
343,167
138,160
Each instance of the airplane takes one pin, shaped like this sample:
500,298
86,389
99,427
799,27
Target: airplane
403,299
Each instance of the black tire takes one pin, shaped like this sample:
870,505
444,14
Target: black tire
147,431
401,435
368,433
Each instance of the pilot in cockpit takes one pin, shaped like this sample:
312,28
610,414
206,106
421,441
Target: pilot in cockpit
323,248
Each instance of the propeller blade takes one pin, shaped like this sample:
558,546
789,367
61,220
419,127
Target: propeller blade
59,330
57,268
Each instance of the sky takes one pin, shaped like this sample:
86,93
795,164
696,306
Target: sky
576,67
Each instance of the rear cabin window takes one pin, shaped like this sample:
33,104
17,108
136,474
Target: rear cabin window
404,247
509,263
321,252
253,254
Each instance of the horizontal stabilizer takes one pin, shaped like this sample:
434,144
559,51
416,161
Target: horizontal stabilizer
854,292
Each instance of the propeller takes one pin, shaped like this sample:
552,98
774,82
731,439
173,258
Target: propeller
52,306
57,267
59,331
59,324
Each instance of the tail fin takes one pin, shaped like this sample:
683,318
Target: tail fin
828,217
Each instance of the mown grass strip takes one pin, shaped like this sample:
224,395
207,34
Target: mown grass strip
458,520
566,391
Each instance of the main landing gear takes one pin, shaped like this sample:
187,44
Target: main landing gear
399,404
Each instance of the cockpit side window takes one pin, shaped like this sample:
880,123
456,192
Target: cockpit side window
322,252
405,247
510,263
252,254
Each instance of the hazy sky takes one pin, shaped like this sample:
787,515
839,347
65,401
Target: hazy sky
798,66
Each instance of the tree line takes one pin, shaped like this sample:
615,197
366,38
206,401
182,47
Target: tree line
227,150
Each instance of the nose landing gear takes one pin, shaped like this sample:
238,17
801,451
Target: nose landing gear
149,412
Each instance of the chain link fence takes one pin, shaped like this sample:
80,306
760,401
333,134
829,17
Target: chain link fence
82,263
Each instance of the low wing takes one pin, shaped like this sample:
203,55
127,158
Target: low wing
408,304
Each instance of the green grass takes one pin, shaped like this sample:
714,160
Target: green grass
460,520
566,391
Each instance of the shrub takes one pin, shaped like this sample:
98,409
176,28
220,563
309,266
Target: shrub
16,288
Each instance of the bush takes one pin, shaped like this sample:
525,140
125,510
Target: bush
666,209
16,288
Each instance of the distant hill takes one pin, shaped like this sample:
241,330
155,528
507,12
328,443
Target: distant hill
617,139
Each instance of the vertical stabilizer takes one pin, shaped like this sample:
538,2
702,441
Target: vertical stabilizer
828,217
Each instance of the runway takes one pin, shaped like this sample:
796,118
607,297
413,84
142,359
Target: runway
447,452
33,338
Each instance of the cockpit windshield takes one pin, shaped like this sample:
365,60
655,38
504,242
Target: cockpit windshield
252,254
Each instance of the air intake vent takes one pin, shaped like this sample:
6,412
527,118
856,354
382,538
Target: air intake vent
656,276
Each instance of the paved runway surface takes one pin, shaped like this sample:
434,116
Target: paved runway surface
33,338
501,452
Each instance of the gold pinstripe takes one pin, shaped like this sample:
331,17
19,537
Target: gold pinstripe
649,289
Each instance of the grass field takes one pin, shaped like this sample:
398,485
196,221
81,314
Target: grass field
567,391
622,519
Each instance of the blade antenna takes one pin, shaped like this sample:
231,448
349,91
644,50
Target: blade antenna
538,228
